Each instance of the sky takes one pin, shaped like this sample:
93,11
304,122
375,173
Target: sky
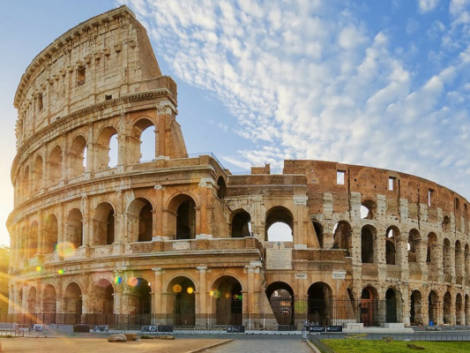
378,83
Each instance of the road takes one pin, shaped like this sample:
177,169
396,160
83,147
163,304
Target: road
264,345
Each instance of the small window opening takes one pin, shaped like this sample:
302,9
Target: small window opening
391,183
340,177
40,103
108,97
81,75
430,194
457,204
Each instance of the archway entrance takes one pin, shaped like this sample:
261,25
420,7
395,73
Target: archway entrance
49,305
319,304
368,307
32,305
73,304
433,308
391,306
102,303
415,310
228,301
281,298
140,302
183,301
447,308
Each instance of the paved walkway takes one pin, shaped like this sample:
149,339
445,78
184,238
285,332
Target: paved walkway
262,345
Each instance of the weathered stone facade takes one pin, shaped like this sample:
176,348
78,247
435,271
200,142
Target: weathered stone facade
184,241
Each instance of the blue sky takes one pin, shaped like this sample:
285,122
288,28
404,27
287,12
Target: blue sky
381,83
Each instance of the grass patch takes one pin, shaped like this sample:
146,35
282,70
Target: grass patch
365,346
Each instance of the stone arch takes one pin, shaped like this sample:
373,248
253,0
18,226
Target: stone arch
392,305
104,224
447,301
318,231
342,238
368,209
227,294
392,241
466,262
368,241
101,300
183,216
25,182
105,153
241,224
432,253
32,301
72,306
49,304
77,157
433,307
144,133
74,228
37,173
139,299
414,245
181,298
281,298
369,306
467,309
459,310
221,187
320,304
140,220
416,309
51,235
33,239
54,165
279,224
446,224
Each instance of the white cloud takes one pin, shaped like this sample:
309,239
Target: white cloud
305,86
427,5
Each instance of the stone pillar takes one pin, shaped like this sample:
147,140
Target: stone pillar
202,316
159,214
405,305
157,307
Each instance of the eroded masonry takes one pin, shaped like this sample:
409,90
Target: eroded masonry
110,239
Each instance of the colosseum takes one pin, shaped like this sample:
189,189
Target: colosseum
103,238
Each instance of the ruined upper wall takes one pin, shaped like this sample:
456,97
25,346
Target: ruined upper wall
105,57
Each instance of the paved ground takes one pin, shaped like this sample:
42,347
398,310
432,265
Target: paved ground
261,345
101,345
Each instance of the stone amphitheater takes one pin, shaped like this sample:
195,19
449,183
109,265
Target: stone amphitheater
109,239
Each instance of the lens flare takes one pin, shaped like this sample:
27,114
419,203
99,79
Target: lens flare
60,271
227,295
117,280
65,249
38,268
177,288
133,282
190,290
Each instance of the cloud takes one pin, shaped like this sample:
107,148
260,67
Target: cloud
306,80
427,5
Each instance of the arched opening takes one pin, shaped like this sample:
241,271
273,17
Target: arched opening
32,309
140,220
391,242
140,302
369,306
104,224
227,293
106,149
185,220
447,308
77,157
459,310
433,308
73,304
49,301
221,188
446,224
102,303
74,233
279,224
320,301
25,183
367,209
37,174
51,234
416,315
33,239
467,310
241,224
391,303
182,299
367,244
281,298
414,240
54,166
145,133
466,264
432,256
458,262
342,238
446,261
319,232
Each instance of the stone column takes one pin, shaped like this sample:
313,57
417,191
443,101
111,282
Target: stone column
202,316
157,307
